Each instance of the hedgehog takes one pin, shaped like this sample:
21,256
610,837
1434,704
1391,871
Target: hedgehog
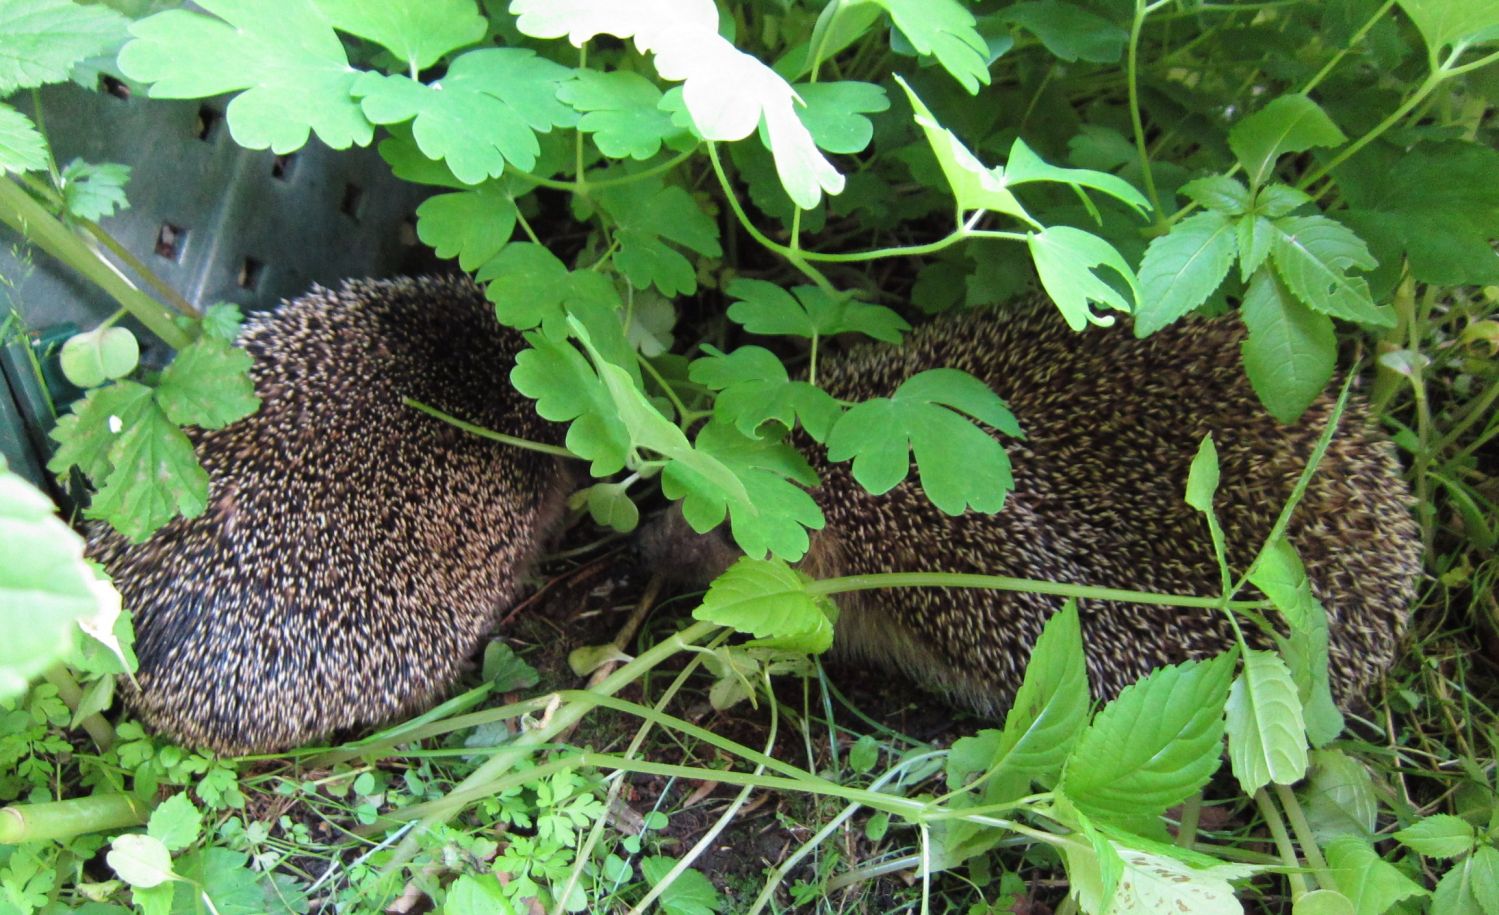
354,551
1111,426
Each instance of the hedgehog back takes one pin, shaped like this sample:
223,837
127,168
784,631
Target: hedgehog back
354,551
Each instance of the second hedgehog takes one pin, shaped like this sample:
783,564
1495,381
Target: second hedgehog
354,551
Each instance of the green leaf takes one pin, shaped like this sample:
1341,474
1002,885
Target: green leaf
1289,124
974,186
1065,259
1278,572
1305,652
94,191
609,505
483,114
86,435
1069,32
1338,797
765,308
648,214
1441,835
1155,745
103,354
208,385
690,893
531,287
754,389
1218,192
1152,883
22,148
41,598
1372,884
1202,478
1025,167
1313,254
566,389
477,895
960,465
155,477
223,320
943,29
140,860
1290,352
175,822
620,110
41,40
1485,868
290,68
1266,736
417,32
1094,867
835,113
864,755
1457,892
472,225
223,878
506,670
1445,22
769,600
1182,268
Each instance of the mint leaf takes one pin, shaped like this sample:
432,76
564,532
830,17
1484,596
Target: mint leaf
1313,255
1069,32
208,385
1182,268
835,113
1291,351
960,465
94,191
620,110
1266,735
769,600
22,148
945,30
1155,745
753,389
290,69
647,215
155,477
41,40
417,32
1289,124
472,225
765,308
1066,260
485,112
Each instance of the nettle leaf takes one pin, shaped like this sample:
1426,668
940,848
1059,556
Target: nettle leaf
620,110
768,511
690,892
974,186
1266,735
1290,352
567,390
208,385
41,40
1441,835
1066,260
835,113
726,91
155,477
943,29
472,225
94,191
290,70
769,600
1444,22
754,388
1289,124
1313,255
22,148
1182,268
1370,882
765,308
1069,32
485,112
1218,192
647,214
1155,745
417,32
960,465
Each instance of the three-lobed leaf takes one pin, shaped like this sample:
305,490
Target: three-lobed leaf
418,32
1067,262
652,220
208,385
621,111
808,311
754,388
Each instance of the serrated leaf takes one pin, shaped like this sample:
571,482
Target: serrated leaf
94,191
1440,835
1066,260
690,893
41,40
1069,32
1445,22
1276,200
1290,352
960,466
103,354
1150,884
754,389
1338,797
483,114
1372,884
1155,745
1313,255
208,385
1266,736
1254,235
769,600
22,148
290,70
140,860
621,111
155,477
765,308
1279,573
1289,124
472,894
1485,868
835,112
1305,651
1182,268
175,822
86,435
1218,192
945,30
222,320
417,32
472,225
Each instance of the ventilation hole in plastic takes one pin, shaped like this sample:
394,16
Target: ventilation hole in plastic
207,123
352,202
114,87
407,235
281,166
170,240
249,273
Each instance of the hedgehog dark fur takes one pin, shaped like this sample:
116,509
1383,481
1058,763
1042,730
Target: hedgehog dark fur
1112,424
354,551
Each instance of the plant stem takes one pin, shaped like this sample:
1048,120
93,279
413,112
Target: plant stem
1282,843
71,694
1132,79
1007,583
490,434
65,819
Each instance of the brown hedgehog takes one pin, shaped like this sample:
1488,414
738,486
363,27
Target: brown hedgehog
354,551
1112,424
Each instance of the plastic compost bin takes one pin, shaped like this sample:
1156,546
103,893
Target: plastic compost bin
215,221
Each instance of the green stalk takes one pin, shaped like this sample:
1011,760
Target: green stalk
30,219
1032,585
490,434
71,694
65,819
1283,843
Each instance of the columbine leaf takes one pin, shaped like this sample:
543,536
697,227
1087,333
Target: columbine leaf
531,287
1372,884
94,191
974,186
1025,167
648,215
208,385
943,29
620,110
835,113
1313,255
22,148
1182,268
1069,32
959,464
1290,352
754,389
1066,260
485,112
610,505
765,308
472,225
1266,736
290,68
1289,124
769,600
1441,835
417,32
1443,22
567,390
1155,745
41,40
